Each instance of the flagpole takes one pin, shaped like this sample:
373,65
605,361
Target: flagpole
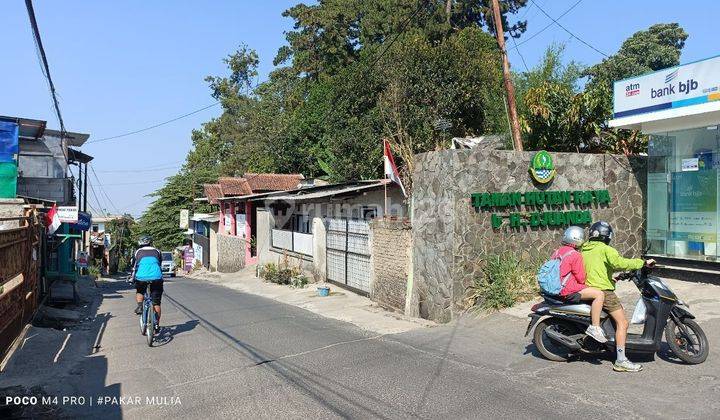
385,214
386,178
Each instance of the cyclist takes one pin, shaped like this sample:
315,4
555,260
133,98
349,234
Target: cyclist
147,273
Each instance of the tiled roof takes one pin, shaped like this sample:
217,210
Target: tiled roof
273,182
212,192
234,186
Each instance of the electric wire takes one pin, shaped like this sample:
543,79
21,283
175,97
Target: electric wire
163,167
45,69
548,25
154,125
102,190
568,31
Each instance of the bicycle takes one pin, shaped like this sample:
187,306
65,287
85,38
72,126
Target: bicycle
147,318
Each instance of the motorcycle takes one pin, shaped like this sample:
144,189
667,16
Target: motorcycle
560,330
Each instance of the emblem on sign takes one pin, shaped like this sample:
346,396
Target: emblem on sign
542,168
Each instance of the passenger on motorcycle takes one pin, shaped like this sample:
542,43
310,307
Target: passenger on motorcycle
573,271
601,261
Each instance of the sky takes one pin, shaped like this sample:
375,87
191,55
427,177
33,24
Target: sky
123,66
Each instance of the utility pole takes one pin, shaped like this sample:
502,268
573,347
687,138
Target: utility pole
509,88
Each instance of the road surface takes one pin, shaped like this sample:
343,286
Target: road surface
226,354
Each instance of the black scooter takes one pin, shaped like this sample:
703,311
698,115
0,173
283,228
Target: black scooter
560,333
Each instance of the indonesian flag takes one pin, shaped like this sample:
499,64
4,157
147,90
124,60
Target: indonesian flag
391,171
52,219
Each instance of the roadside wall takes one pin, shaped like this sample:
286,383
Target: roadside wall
390,247
230,253
214,246
450,237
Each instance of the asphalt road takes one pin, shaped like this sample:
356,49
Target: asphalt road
225,354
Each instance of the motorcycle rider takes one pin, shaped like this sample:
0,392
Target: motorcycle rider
601,261
572,270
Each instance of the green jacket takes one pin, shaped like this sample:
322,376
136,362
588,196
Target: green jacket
601,261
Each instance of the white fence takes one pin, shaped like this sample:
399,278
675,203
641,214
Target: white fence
302,243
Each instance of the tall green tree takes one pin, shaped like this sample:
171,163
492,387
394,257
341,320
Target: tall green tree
557,115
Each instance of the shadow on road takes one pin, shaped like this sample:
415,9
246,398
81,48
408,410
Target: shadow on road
168,332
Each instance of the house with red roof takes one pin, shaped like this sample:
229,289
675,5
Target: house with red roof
235,244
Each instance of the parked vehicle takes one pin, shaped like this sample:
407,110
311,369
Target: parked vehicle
168,264
560,330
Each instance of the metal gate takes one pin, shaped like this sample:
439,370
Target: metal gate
348,253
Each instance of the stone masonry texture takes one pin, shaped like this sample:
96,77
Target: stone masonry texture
450,238
390,262
231,253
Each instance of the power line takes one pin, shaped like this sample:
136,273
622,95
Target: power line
151,169
135,183
94,194
548,25
102,190
154,125
520,54
568,31
45,69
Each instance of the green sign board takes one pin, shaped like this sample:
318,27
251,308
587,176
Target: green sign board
540,208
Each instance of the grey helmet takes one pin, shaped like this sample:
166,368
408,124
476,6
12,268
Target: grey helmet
145,241
574,236
601,231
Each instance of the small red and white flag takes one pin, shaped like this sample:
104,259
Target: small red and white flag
52,219
391,171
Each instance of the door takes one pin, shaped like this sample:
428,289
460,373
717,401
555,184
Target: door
348,253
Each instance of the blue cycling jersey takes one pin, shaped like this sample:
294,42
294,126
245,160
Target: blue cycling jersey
148,261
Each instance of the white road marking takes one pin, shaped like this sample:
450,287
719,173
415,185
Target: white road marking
57,356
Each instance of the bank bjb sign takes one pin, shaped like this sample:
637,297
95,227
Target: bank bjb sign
538,208
675,87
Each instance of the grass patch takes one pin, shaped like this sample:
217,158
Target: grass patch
506,280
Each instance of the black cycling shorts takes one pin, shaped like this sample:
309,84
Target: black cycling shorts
156,289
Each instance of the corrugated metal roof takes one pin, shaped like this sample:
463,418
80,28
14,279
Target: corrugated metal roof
327,191
205,217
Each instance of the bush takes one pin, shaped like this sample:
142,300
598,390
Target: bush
299,281
280,273
506,280
94,271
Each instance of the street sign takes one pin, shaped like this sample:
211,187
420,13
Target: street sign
67,214
82,259
84,221
184,219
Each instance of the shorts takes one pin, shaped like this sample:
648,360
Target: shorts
572,298
156,289
612,302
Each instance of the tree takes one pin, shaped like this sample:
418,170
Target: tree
554,113
653,49
558,116
352,73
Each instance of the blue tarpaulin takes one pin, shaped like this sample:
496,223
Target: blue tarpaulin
8,141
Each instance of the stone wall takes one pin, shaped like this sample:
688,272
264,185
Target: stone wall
390,247
231,253
450,237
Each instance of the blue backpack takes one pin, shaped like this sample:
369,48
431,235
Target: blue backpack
548,276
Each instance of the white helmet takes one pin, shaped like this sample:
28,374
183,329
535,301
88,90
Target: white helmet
574,236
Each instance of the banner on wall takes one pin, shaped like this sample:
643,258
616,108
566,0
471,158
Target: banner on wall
693,215
240,224
227,221
197,252
67,214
